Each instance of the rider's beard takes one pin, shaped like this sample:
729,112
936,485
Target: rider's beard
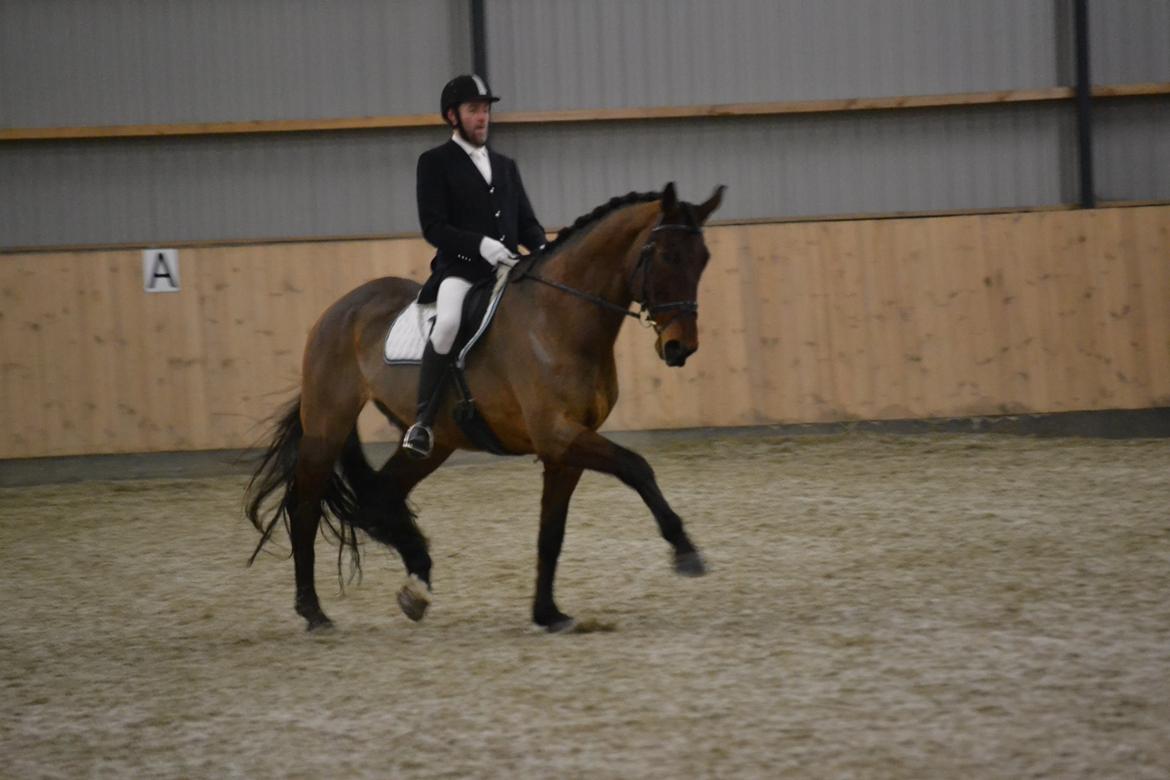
467,136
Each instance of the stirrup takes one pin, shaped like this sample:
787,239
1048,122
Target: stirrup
418,441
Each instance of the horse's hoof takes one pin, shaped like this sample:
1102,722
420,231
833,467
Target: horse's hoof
310,610
562,625
553,620
320,623
690,564
414,598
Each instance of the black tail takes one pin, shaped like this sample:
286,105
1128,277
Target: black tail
357,497
276,470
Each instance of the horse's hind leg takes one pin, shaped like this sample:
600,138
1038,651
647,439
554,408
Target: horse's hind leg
329,412
559,483
314,469
395,526
595,452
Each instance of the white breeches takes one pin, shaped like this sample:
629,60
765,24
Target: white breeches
449,311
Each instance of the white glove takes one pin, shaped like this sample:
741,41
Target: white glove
495,252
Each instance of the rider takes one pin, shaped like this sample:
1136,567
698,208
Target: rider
473,209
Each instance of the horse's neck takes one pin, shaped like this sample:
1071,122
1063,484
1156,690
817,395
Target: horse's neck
597,263
600,263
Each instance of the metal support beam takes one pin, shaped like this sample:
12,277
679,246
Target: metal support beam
1084,90
479,38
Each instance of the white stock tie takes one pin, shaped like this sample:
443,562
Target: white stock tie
480,158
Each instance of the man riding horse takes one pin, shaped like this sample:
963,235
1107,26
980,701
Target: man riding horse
545,374
472,207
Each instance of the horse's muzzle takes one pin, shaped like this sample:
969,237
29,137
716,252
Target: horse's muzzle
675,353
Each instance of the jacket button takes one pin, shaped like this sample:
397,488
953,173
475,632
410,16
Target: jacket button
491,189
497,215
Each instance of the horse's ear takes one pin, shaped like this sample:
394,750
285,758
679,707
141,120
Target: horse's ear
669,198
703,210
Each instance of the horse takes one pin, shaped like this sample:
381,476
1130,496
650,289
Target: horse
544,379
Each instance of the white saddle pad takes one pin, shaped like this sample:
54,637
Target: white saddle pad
409,333
411,329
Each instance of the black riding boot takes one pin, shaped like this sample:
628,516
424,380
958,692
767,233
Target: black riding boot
435,369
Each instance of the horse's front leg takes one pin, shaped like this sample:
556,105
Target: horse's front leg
593,451
559,483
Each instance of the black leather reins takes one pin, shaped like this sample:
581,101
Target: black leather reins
648,309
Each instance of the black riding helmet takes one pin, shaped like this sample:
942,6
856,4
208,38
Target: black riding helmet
464,89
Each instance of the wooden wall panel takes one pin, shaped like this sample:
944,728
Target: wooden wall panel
799,322
915,318
91,363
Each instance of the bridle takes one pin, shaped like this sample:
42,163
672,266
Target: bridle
648,310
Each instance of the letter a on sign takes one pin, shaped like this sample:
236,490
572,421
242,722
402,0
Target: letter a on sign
160,270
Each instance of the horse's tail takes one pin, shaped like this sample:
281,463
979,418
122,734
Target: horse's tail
276,470
354,498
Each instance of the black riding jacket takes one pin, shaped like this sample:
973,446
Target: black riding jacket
457,208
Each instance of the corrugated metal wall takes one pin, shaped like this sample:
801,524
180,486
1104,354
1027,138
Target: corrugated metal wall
1130,44
1129,41
222,187
560,54
1132,150
989,157
137,61
159,190
81,62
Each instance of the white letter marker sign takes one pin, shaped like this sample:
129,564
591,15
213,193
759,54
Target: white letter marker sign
160,270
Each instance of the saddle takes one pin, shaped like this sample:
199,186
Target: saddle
412,327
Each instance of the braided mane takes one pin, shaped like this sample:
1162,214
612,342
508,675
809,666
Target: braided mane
608,207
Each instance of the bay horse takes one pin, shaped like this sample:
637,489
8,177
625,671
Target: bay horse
543,377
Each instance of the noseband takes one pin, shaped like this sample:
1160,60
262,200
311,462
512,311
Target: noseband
648,309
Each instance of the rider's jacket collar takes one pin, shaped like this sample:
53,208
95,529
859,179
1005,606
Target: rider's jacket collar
478,155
